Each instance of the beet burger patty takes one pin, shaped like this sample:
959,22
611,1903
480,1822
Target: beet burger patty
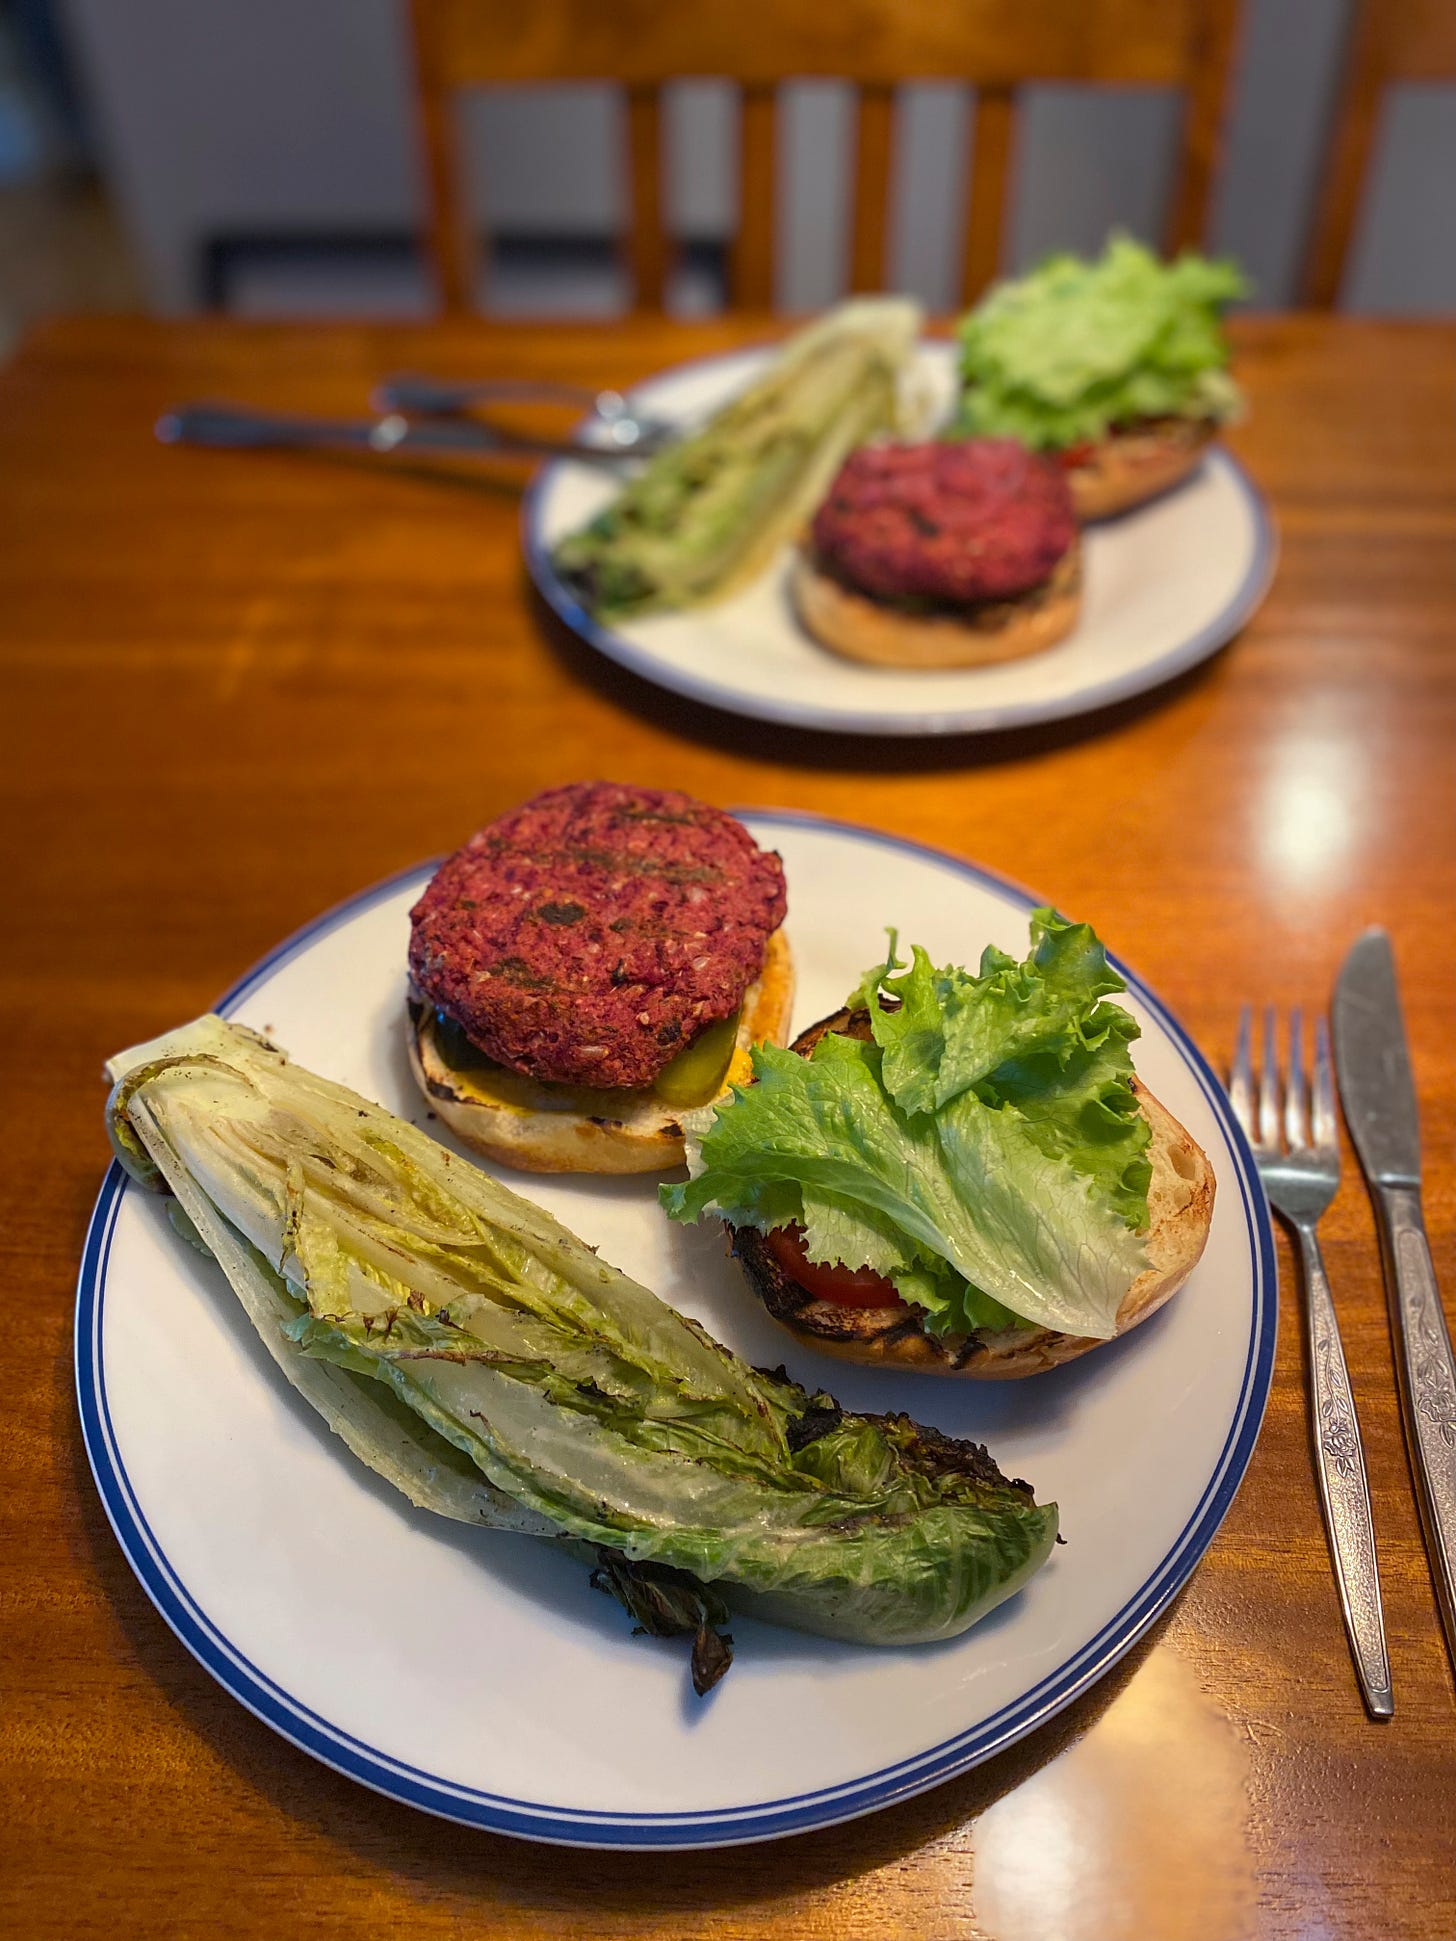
942,555
589,940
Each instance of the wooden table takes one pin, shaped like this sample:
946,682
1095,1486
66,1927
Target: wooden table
238,688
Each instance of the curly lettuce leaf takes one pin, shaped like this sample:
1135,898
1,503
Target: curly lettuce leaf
1077,348
1035,1036
985,1150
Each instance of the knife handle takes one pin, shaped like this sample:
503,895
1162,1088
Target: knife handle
1427,1374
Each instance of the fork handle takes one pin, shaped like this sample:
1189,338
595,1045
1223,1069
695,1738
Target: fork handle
1426,1373
1344,1488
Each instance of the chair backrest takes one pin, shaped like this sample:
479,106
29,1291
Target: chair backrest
1390,41
996,46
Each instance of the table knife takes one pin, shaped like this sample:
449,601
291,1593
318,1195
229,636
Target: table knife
239,428
1380,1109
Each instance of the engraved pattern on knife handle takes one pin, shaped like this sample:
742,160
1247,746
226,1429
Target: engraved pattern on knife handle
1344,1487
1433,1385
1428,1388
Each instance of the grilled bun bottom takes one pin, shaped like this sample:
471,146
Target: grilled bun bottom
546,1130
1180,1206
878,632
1128,467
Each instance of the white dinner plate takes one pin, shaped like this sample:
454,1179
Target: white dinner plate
477,1674
1164,587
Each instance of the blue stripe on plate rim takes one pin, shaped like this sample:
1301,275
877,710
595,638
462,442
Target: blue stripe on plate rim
764,1820
1242,604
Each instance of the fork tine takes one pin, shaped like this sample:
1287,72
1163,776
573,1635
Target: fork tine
1325,1133
1241,1077
1269,1087
1296,1094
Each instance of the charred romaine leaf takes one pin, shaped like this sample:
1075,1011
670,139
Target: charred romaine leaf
487,1361
670,1603
706,513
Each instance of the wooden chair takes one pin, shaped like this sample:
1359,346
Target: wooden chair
995,45
1390,41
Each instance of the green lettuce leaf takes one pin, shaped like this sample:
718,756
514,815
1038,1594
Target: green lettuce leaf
470,1348
985,1150
1035,1036
1077,348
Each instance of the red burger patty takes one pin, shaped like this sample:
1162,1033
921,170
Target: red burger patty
587,937
978,519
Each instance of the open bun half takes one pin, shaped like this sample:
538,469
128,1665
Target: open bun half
882,634
1180,1206
544,1130
1128,467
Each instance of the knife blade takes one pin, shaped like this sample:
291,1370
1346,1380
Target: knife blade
1376,1088
1373,1065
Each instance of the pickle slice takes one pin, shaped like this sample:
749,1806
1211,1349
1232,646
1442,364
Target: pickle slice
692,1078
696,1074
457,1051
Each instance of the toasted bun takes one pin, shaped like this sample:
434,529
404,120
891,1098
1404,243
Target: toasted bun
1129,467
863,628
546,1135
1180,1205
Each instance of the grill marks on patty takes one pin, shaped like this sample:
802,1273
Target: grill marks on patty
589,935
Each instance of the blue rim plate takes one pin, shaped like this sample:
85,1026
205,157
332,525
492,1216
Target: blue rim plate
1208,548
212,1637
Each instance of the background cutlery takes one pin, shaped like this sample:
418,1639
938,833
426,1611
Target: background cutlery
237,428
612,421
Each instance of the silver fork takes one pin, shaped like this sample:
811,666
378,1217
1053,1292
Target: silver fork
1300,1175
615,423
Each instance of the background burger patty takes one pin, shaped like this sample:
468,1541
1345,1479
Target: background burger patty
588,936
978,519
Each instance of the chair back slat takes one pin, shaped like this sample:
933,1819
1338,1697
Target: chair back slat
451,261
751,257
874,144
1202,126
995,46
992,141
1391,40
647,248
1420,38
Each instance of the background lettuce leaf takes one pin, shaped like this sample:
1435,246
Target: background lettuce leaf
1074,348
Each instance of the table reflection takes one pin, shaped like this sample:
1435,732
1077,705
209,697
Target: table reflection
1139,1828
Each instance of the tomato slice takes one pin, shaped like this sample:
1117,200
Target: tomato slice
1071,455
847,1286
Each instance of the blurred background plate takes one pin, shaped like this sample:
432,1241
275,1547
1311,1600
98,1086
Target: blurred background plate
1165,586
477,1675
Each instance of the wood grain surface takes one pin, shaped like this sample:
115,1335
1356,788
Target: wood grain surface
239,687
